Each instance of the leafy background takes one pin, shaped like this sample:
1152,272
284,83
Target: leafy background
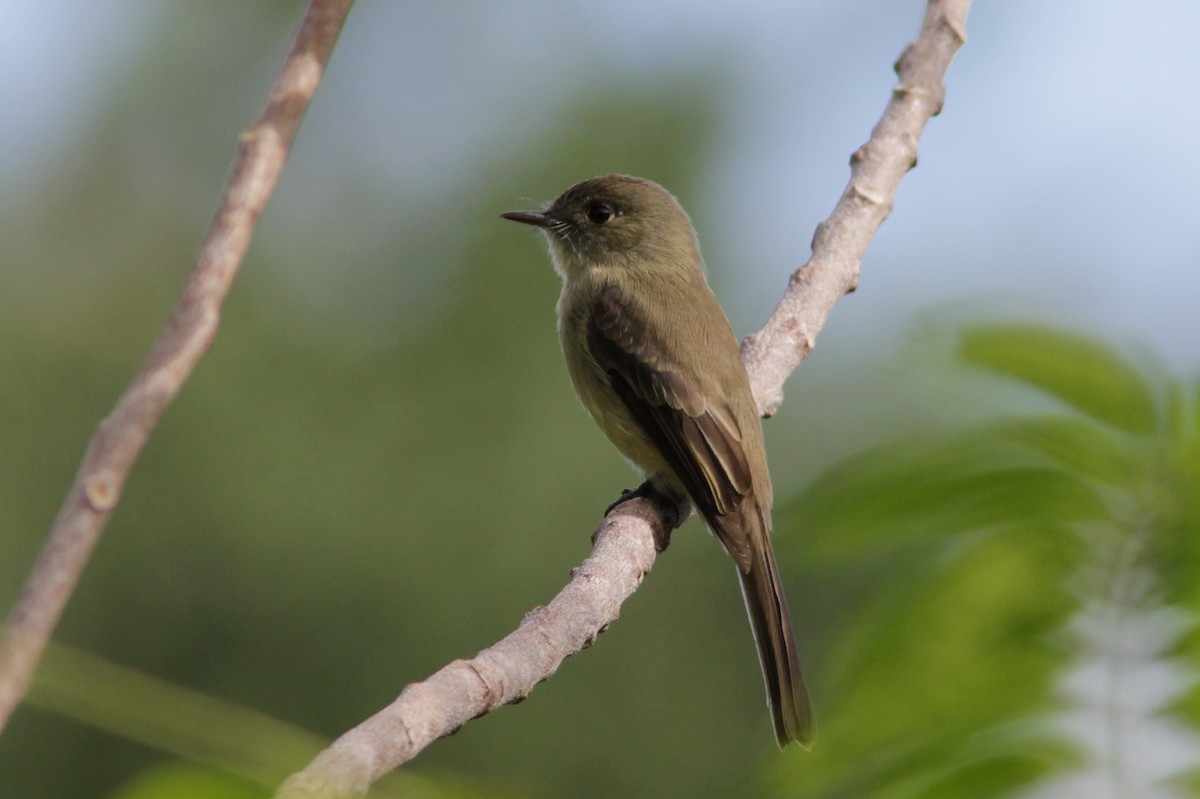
987,472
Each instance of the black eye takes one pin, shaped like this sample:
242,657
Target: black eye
599,213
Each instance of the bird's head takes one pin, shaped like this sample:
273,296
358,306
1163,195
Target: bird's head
615,221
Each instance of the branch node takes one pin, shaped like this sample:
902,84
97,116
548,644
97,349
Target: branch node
955,25
906,91
807,340
910,143
489,693
539,613
870,195
102,490
548,641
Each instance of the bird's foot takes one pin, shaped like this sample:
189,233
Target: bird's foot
674,510
644,490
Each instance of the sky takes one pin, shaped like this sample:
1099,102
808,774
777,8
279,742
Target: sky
1057,183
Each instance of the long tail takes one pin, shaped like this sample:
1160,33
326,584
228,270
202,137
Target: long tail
787,695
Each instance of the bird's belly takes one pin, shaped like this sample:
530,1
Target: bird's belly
615,421
596,394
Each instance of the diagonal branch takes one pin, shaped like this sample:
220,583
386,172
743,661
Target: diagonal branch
838,245
504,673
187,335
624,544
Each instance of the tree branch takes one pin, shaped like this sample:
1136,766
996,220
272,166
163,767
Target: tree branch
507,672
624,547
840,241
187,335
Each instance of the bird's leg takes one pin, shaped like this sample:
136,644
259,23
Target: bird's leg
674,509
646,490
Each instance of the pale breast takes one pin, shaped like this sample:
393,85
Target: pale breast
593,388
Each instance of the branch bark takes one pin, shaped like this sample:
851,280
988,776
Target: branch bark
187,335
624,548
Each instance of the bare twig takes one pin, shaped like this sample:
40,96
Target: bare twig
624,545
188,333
774,352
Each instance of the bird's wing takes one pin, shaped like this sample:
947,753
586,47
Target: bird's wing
696,431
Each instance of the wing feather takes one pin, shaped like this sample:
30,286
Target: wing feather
696,431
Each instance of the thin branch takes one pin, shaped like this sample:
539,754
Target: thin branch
624,551
876,168
187,335
625,543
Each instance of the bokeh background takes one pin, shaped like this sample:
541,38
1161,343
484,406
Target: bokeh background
986,473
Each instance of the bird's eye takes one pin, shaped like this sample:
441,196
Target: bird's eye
599,213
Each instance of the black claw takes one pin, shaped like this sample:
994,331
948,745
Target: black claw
674,509
644,490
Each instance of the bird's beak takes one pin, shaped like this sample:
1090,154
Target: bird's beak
535,218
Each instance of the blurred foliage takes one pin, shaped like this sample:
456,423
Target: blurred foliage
247,754
994,574
181,781
381,466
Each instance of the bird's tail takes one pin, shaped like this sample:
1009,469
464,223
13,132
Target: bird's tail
787,695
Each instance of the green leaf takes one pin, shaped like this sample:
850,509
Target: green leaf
248,753
1082,372
932,686
958,561
912,491
1079,446
182,781
998,773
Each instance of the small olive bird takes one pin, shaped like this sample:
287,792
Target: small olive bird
656,364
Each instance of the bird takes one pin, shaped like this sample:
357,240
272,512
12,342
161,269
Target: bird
656,364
